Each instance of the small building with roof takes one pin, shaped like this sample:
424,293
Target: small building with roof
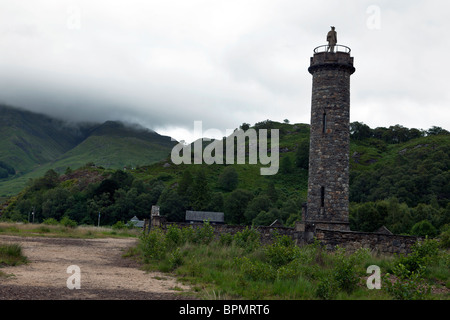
201,216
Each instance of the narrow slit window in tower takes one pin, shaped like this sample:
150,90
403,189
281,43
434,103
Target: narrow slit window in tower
322,196
324,123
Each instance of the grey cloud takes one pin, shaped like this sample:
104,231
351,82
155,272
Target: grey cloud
165,65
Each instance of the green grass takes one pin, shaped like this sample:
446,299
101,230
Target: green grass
59,230
281,270
11,255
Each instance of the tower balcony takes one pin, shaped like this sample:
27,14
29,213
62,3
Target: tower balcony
338,59
337,48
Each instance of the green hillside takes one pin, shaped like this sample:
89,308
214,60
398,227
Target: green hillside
28,139
400,181
31,144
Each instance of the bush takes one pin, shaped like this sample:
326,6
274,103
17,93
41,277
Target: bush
11,254
67,222
326,288
153,245
188,234
409,271
204,234
226,239
281,252
119,225
174,236
256,270
424,228
344,272
248,239
50,222
423,253
445,237
175,259
407,285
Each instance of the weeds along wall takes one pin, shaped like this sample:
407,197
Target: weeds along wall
377,242
267,234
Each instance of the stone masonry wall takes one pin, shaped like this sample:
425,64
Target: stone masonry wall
266,233
328,181
378,243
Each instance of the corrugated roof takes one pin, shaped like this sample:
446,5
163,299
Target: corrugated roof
204,215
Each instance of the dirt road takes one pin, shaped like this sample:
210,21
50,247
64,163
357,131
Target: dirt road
103,273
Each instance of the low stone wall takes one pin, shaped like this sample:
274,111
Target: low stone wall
267,233
378,243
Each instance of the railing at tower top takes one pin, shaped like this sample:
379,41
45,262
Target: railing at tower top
337,48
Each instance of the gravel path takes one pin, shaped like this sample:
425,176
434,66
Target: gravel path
104,273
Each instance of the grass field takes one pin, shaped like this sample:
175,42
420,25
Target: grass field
239,267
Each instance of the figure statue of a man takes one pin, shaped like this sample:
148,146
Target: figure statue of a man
332,39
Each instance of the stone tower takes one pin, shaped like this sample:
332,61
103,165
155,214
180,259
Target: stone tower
328,181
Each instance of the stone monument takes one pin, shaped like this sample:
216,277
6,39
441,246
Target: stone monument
328,181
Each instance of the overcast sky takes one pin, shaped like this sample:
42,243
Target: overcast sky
165,64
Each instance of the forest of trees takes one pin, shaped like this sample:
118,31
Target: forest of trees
406,190
121,196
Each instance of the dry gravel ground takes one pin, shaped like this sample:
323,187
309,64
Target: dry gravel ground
104,273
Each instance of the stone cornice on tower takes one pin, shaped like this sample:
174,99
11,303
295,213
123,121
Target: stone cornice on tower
332,61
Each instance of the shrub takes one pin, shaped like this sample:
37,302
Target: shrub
175,259
326,288
67,222
424,228
11,254
293,270
445,237
174,236
226,239
422,254
409,271
119,225
204,234
281,252
344,272
188,234
256,270
50,221
153,245
407,285
248,239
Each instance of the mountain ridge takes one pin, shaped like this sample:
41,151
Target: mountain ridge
31,143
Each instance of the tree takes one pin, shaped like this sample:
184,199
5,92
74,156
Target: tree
122,178
286,165
200,191
434,130
360,131
216,204
265,218
172,205
245,126
258,204
424,228
57,201
302,154
228,180
272,192
185,183
3,173
367,217
235,205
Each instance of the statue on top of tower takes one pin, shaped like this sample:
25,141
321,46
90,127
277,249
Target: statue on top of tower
332,39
